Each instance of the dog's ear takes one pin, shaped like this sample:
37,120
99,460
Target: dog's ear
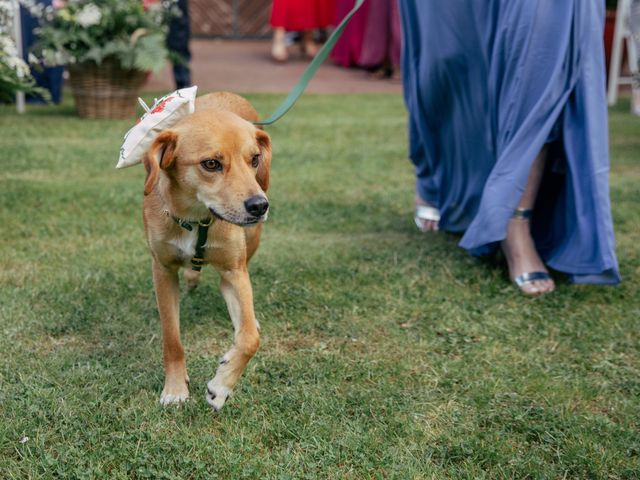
161,154
264,140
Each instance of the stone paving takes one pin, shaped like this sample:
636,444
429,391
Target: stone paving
246,67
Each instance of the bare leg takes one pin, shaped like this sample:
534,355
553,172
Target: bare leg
236,290
279,48
167,290
518,247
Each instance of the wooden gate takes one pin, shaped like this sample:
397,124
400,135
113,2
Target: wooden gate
230,18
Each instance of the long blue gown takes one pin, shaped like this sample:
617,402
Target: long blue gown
487,84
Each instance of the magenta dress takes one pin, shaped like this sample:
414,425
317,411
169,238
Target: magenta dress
382,35
347,51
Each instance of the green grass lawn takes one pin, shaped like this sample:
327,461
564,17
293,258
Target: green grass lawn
386,353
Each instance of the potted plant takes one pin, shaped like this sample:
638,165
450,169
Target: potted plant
109,47
15,75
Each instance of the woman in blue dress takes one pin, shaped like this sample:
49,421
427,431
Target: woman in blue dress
508,132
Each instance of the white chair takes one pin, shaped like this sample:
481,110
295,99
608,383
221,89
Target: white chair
621,34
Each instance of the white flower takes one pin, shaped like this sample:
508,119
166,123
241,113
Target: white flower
8,47
17,65
9,57
53,58
89,15
6,7
33,8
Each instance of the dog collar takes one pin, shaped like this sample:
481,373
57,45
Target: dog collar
203,230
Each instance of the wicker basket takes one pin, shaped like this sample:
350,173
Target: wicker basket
105,90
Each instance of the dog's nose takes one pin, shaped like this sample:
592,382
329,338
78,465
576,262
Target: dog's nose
257,205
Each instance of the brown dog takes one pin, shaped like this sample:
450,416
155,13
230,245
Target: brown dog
212,167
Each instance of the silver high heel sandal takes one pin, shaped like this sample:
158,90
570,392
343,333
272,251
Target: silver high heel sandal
426,213
528,277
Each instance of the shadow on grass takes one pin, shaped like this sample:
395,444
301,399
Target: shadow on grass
108,306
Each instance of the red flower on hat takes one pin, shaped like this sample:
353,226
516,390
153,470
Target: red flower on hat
161,105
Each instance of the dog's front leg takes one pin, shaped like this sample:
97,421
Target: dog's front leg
236,290
167,289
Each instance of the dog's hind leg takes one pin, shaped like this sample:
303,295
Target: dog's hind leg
236,290
191,278
167,289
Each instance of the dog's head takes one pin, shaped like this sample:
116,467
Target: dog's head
217,160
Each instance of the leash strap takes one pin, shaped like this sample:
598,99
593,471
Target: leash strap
311,70
203,228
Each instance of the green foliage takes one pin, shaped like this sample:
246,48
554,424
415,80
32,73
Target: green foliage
11,82
88,31
15,75
386,353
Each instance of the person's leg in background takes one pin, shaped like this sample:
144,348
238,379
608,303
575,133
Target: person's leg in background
49,78
178,42
279,46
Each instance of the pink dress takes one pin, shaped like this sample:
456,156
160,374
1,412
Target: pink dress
347,51
382,36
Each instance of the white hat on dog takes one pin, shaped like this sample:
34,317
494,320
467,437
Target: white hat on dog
164,113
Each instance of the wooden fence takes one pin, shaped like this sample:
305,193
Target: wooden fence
230,18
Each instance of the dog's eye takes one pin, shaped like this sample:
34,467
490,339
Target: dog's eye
255,160
211,165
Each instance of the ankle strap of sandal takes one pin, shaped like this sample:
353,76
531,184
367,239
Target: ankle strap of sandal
524,213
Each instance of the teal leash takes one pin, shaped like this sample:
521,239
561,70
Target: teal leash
311,70
203,225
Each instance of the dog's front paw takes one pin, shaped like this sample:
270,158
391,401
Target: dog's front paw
217,394
174,394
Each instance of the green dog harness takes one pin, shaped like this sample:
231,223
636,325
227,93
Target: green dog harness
203,231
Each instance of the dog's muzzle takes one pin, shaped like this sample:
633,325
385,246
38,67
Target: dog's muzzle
256,206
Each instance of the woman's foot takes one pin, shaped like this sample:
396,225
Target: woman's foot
386,71
380,73
426,217
279,50
308,45
522,257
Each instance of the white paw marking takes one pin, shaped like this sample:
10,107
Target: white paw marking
217,394
169,399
